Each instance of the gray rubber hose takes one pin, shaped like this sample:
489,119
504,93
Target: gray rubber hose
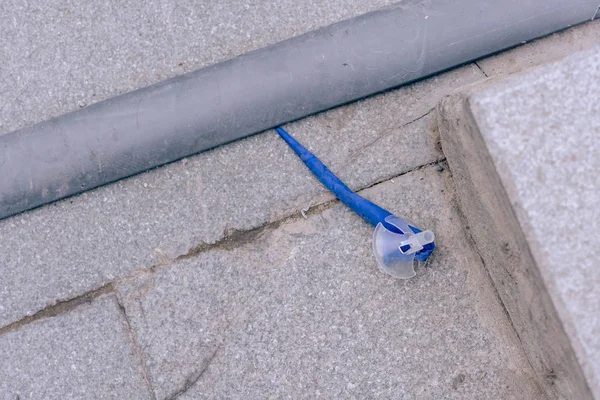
334,65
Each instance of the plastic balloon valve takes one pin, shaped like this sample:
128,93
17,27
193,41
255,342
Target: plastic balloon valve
395,249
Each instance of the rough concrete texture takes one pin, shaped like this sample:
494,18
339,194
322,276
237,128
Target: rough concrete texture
542,51
84,354
62,55
58,61
299,309
73,246
65,55
524,153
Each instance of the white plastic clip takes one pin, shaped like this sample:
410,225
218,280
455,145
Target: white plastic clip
388,244
416,242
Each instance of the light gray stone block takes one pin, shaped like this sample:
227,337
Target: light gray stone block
300,310
86,353
525,155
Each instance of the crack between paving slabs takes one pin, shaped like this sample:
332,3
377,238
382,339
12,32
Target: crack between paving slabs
236,238
233,239
195,376
64,306
136,347
386,133
60,307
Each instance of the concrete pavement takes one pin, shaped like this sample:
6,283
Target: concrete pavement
220,282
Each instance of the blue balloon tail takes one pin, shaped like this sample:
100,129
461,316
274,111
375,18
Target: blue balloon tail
369,211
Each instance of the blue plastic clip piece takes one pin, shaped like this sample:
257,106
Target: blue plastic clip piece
396,243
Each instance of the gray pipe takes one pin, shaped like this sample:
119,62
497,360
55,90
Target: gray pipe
334,65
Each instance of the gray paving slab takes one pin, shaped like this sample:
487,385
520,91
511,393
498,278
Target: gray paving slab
525,155
67,248
83,354
543,51
299,309
65,55
59,61
60,55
